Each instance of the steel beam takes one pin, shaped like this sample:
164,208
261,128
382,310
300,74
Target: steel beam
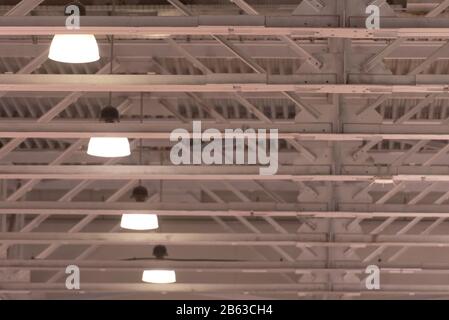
310,83
297,290
425,232
186,172
418,107
23,7
184,239
230,25
229,209
220,266
378,58
165,83
73,129
6,287
220,239
438,9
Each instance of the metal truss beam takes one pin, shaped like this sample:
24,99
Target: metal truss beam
310,83
438,9
372,106
439,53
160,83
248,9
181,7
425,232
252,227
298,290
418,107
6,287
413,150
224,172
220,239
24,7
378,58
63,129
189,57
229,209
232,25
184,239
219,266
203,48
187,266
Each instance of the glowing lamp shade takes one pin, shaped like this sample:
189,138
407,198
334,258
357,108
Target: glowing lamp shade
139,221
159,276
74,48
109,147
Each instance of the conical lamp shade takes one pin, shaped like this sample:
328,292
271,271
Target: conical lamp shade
139,221
159,276
108,147
74,48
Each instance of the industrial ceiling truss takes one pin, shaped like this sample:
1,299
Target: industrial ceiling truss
362,118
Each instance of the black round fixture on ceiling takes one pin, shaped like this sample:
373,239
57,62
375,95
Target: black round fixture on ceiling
109,114
160,251
140,194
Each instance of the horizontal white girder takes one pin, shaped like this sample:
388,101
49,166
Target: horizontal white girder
316,288
149,238
216,266
139,264
213,83
63,129
223,239
229,209
125,49
6,287
164,25
229,25
186,172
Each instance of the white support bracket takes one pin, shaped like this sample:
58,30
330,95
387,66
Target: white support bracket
418,107
438,9
306,153
378,58
435,156
302,105
372,106
315,5
426,231
398,187
292,44
440,52
362,153
413,150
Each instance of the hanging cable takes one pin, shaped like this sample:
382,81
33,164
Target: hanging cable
140,140
111,56
111,65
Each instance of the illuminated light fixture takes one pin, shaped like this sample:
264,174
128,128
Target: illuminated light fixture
159,275
110,147
74,48
136,221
